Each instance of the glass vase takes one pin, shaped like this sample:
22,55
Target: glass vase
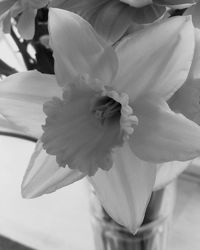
152,235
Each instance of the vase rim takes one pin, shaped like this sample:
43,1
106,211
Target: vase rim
146,227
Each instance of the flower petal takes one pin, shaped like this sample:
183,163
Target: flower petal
137,3
22,96
5,19
37,4
6,5
194,11
7,126
194,70
26,23
156,59
125,189
176,4
186,99
45,176
57,3
112,20
163,135
166,172
147,14
77,5
79,49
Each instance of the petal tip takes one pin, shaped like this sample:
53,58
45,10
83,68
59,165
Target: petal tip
55,11
27,195
28,192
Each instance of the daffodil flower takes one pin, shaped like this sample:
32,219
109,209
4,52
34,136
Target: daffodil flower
106,112
114,18
27,10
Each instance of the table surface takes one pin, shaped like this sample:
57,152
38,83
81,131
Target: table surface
61,220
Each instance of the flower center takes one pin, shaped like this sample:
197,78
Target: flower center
106,109
111,108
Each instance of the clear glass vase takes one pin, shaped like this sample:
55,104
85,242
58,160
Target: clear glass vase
152,235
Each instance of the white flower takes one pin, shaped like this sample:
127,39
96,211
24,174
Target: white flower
92,125
27,10
113,19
